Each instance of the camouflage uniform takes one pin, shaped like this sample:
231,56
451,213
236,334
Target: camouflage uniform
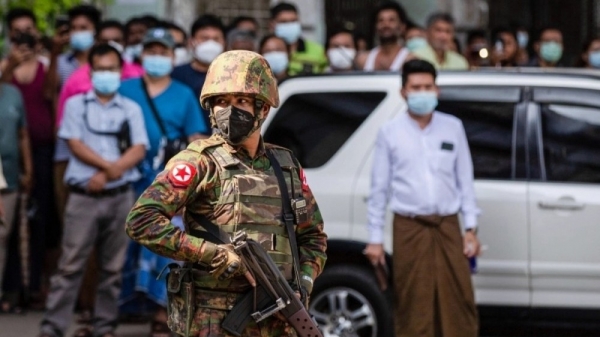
231,189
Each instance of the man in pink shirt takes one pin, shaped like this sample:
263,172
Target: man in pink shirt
80,81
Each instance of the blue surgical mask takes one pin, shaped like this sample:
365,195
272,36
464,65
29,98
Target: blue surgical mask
522,39
289,31
278,60
81,41
594,58
551,51
157,66
106,82
422,103
416,43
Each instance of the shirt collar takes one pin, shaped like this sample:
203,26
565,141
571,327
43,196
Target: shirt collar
116,101
242,151
416,126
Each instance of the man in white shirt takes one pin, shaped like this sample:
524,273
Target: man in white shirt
423,168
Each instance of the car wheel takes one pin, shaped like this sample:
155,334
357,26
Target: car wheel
346,302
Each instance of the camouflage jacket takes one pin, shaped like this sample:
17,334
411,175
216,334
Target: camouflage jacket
191,181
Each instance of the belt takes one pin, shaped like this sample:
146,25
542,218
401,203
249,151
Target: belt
104,193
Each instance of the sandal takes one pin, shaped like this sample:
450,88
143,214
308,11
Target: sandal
84,332
159,329
9,308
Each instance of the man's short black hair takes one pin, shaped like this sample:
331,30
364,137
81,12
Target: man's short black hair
266,38
394,6
417,67
90,12
340,30
503,29
282,7
475,34
174,26
207,20
435,17
410,24
17,13
544,29
134,21
111,24
242,18
150,20
103,49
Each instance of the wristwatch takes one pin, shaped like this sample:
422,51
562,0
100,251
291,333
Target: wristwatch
472,230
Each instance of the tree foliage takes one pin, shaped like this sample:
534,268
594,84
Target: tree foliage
46,11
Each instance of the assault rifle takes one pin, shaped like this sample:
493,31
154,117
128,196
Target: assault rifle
271,293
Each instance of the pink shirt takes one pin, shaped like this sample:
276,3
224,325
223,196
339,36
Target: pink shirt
80,82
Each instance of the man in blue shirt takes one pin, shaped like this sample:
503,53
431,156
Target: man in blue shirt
99,176
423,169
208,41
170,105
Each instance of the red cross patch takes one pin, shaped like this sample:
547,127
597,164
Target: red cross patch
304,181
181,175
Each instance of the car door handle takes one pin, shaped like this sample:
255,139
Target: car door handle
563,205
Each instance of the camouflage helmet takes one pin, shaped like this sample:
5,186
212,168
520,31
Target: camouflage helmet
240,72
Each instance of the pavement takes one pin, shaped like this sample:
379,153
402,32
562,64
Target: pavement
27,325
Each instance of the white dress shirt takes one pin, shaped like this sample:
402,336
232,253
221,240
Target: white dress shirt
421,172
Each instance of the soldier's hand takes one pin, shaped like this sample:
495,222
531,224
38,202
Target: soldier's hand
225,263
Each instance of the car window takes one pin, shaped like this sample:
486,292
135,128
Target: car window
316,125
570,135
488,118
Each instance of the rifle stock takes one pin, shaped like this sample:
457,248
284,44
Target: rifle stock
272,294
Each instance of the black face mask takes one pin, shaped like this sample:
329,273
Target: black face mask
235,125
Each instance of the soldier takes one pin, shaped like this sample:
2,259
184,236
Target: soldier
229,180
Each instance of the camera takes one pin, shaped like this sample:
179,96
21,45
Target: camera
26,39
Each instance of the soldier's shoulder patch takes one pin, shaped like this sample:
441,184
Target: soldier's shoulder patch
182,174
303,180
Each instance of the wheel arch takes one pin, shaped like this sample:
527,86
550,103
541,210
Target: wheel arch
350,252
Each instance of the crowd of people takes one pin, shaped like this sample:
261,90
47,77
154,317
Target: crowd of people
103,105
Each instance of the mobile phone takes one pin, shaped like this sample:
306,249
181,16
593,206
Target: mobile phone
61,21
25,39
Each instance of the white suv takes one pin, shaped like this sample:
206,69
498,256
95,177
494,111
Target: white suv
534,138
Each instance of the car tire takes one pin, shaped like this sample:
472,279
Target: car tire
346,301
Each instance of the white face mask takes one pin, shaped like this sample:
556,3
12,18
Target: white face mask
207,51
341,58
182,56
278,60
117,46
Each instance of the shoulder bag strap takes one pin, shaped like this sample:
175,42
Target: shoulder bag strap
154,110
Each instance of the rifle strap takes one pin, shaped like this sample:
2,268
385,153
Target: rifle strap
213,232
288,215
